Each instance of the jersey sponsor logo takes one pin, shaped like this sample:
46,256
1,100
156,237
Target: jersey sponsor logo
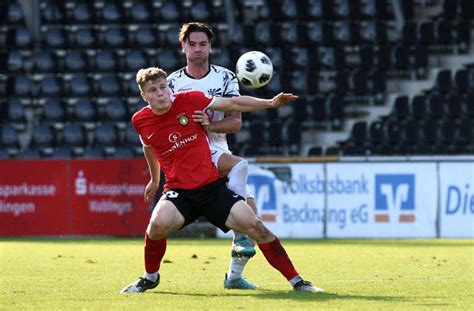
180,143
395,198
174,137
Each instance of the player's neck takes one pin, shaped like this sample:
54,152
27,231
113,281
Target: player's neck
197,71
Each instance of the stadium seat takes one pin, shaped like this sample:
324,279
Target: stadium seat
290,34
409,33
29,154
332,151
444,32
52,12
110,13
418,107
115,110
4,155
450,9
50,86
55,38
376,132
425,34
74,135
14,112
435,106
315,151
53,111
140,12
171,11
84,110
43,136
465,131
429,130
335,110
359,133
466,9
113,37
81,13
409,132
134,60
130,137
201,11
19,38
123,153
443,81
75,61
84,38
267,34
167,59
143,37
15,62
45,62
14,15
93,153
108,85
79,86
453,105
20,86
106,135
62,153
400,57
401,107
448,131
462,80
105,61
392,132
9,137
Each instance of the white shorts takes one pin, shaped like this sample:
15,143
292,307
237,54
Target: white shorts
216,153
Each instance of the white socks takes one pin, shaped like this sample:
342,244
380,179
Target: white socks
151,276
236,267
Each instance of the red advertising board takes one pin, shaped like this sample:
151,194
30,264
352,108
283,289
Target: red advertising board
73,197
33,198
107,197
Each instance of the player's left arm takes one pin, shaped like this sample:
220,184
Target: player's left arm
249,103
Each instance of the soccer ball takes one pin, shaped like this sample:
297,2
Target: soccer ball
254,69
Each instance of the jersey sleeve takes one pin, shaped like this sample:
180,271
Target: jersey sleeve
135,124
200,100
231,84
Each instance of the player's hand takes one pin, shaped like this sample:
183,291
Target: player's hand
283,98
200,116
150,191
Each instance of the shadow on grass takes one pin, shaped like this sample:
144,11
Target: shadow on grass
268,294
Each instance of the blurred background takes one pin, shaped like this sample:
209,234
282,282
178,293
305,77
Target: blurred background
375,77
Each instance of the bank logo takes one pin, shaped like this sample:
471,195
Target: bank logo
395,198
263,188
80,184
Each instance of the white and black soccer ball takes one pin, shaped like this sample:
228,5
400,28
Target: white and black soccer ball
254,69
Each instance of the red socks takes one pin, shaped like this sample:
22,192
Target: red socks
154,252
277,257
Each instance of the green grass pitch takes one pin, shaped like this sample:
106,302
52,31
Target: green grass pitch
87,274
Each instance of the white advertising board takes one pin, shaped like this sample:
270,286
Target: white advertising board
290,198
381,200
457,200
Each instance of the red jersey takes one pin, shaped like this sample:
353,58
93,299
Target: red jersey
180,144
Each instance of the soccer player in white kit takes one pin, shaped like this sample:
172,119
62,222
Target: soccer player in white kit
217,81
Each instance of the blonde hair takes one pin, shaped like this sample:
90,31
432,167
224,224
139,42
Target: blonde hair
149,74
187,28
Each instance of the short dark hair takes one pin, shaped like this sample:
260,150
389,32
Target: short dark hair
188,28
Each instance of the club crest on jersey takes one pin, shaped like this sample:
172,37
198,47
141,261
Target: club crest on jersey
183,119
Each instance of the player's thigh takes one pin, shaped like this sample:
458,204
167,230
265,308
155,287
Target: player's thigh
226,162
166,216
241,217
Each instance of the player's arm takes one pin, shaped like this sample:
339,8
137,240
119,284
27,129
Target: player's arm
230,124
154,170
249,103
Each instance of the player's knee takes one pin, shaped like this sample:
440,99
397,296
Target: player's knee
258,231
157,226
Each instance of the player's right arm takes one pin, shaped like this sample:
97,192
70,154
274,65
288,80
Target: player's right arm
249,103
154,170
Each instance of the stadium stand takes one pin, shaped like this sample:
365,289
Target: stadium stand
67,86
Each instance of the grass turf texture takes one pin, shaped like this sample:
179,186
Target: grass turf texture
57,274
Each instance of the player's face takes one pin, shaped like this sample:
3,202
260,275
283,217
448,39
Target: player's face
197,48
157,94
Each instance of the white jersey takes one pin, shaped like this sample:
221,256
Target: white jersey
219,82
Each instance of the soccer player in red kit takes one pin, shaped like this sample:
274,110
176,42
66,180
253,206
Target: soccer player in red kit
178,145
